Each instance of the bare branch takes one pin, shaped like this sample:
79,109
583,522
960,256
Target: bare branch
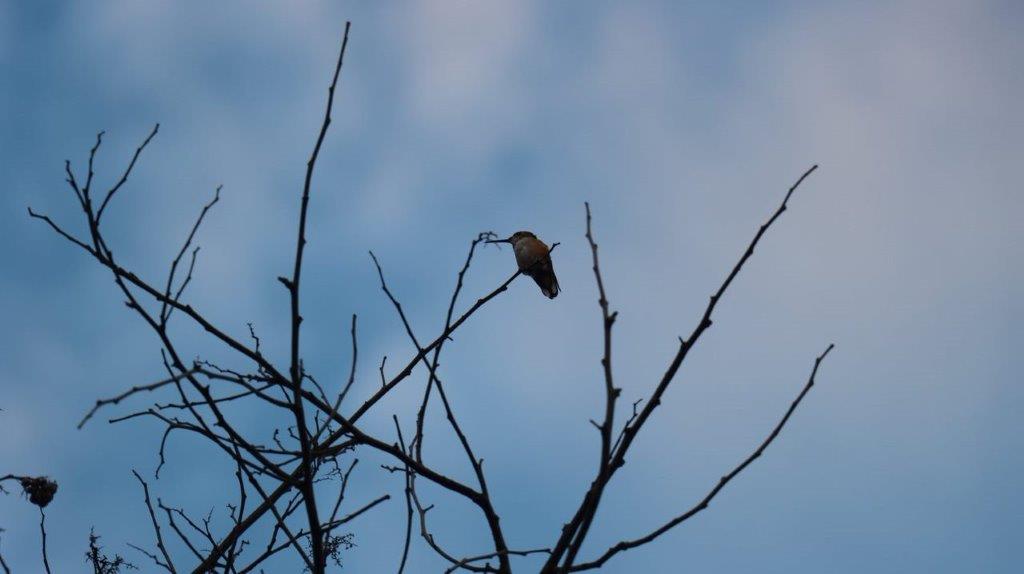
165,310
465,561
484,499
413,498
92,156
446,334
592,498
137,389
408,503
60,231
348,427
421,415
42,531
352,372
309,496
611,394
127,171
166,564
627,544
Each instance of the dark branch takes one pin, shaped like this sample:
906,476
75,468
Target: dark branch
42,531
127,171
484,499
611,394
627,544
588,506
166,564
137,389
309,496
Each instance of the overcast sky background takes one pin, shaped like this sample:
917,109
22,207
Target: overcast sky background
682,124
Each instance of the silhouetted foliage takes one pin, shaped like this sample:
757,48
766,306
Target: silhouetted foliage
100,562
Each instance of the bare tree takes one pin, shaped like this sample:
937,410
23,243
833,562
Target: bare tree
277,482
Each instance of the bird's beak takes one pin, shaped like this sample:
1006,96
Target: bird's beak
499,240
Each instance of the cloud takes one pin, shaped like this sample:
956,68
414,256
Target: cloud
683,127
459,57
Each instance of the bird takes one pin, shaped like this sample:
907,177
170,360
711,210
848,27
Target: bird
534,259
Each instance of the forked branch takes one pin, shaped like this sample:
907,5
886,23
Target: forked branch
574,532
703,504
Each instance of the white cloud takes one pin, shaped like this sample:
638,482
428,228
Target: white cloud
460,56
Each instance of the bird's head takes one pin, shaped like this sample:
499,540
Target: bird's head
515,238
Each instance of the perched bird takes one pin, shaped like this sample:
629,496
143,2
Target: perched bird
534,259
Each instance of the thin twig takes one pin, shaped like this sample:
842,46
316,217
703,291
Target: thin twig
462,563
167,564
42,531
127,172
352,371
483,501
408,504
627,544
137,389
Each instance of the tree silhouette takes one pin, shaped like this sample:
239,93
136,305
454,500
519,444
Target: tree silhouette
277,483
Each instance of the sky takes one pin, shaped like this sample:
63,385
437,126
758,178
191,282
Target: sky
682,124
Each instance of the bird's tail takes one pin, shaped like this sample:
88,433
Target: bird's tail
548,285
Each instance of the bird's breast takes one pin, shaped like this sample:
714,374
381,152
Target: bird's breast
528,250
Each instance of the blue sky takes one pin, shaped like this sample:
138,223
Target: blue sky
682,124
